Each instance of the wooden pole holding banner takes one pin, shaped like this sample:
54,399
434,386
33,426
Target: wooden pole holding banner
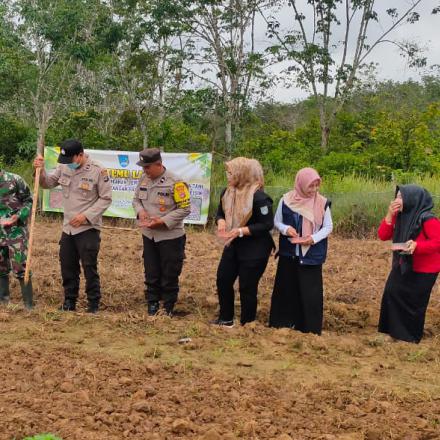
40,152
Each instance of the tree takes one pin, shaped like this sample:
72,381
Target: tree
148,62
408,139
60,36
332,45
15,60
221,35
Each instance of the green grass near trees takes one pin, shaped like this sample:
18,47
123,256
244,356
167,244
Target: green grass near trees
358,202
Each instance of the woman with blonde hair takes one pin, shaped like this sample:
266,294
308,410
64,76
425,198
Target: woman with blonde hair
304,220
244,220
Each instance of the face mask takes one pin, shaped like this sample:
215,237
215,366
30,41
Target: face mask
73,165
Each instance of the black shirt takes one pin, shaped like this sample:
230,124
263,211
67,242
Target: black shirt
260,243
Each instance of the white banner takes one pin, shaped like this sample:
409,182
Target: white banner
193,168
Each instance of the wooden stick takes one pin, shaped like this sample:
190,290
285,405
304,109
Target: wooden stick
32,225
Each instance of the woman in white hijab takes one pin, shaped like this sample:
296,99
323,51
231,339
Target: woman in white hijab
304,220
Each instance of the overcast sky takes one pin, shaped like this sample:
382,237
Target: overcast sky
390,64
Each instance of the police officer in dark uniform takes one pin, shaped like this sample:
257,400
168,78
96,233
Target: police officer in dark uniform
161,202
87,193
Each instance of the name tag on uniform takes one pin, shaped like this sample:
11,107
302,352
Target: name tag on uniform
264,210
142,189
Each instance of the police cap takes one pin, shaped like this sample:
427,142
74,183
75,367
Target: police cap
68,149
149,155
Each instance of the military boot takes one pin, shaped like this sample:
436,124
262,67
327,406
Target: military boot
4,290
27,293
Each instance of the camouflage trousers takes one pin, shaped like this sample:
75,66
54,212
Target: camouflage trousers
13,256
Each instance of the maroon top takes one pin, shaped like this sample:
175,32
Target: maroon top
426,257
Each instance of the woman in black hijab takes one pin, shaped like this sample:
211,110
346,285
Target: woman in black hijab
415,232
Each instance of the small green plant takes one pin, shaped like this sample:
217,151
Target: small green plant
419,356
43,437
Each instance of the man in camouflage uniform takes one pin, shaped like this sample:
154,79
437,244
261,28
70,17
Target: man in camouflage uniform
15,207
161,202
87,193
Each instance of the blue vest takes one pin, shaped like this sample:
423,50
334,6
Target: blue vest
316,254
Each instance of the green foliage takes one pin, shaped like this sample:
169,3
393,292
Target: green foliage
43,437
14,136
14,58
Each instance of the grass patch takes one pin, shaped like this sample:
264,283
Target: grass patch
43,437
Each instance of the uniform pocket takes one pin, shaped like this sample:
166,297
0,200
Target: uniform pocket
87,190
142,194
164,196
91,251
65,185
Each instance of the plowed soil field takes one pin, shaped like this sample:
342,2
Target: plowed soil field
121,374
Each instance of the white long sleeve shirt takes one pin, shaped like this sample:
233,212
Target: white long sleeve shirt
317,236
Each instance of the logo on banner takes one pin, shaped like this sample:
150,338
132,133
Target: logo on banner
123,160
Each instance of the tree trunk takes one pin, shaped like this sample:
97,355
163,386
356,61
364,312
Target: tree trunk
142,126
228,137
43,123
325,135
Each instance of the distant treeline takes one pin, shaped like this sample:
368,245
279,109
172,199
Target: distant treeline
385,130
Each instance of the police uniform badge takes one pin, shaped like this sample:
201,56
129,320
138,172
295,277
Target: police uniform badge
181,195
162,207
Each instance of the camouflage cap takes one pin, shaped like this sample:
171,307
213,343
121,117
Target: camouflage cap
149,155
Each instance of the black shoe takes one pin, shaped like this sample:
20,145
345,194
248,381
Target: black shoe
68,306
222,323
153,308
169,309
93,308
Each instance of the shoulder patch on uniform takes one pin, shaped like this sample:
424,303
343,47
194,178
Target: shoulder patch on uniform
264,210
181,194
104,173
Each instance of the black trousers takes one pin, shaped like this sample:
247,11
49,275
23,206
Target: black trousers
163,262
84,248
249,273
404,303
297,298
